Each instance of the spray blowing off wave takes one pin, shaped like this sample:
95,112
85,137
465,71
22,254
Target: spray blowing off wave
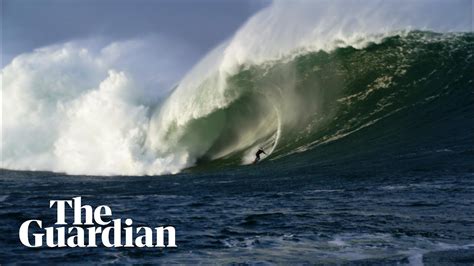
293,77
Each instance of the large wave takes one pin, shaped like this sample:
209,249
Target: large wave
295,76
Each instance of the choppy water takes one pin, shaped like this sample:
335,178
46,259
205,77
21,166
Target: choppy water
325,214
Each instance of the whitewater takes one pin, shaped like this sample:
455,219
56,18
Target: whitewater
293,77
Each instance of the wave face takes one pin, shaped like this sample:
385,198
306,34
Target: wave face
290,80
418,79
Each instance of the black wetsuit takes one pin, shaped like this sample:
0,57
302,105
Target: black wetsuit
257,155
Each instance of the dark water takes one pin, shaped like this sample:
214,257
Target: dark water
382,172
328,214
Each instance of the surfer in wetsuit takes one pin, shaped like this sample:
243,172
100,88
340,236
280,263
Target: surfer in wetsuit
257,155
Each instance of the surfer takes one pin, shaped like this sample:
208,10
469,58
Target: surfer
257,155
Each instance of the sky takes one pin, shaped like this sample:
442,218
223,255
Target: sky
30,24
200,24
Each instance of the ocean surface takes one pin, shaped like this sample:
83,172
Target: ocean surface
371,160
359,212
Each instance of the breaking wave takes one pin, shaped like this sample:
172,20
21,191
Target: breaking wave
294,77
